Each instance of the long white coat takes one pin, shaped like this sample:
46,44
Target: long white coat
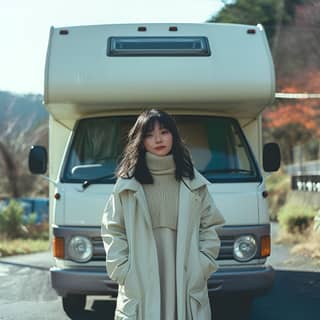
131,256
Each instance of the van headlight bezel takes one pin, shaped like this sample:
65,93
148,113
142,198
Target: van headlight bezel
245,248
80,248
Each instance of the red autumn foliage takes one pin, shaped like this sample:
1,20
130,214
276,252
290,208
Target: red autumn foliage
304,113
307,81
294,121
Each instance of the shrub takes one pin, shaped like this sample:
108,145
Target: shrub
37,230
310,247
13,225
296,217
11,220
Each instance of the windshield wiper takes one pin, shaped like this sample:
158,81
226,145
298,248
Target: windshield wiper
226,170
87,183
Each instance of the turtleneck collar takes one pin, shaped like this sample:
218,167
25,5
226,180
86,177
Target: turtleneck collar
160,164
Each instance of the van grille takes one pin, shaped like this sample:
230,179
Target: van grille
226,251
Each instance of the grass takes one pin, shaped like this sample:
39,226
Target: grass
299,225
306,243
9,247
310,247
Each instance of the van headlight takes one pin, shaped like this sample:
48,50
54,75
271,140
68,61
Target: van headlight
244,248
80,249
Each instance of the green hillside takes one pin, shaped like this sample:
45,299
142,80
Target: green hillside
21,108
23,123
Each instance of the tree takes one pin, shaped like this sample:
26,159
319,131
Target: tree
14,147
291,27
292,30
298,53
269,13
17,134
10,169
293,122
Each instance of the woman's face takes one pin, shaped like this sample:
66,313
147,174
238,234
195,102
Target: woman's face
158,141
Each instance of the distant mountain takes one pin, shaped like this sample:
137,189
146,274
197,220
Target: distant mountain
22,109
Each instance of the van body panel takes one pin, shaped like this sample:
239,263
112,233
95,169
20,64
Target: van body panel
263,204
84,207
243,208
80,72
252,130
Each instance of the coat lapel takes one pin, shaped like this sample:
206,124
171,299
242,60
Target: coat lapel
142,202
138,192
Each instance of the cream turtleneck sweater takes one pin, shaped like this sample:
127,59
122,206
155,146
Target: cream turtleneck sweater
163,195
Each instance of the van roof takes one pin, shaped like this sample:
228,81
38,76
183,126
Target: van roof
222,68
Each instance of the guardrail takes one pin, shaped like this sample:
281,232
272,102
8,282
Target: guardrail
307,183
305,176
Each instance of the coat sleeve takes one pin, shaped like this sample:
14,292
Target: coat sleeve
114,238
209,242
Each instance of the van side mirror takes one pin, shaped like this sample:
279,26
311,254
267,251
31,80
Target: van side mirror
271,157
38,159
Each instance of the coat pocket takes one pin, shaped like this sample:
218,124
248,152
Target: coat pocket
207,266
127,309
199,305
130,282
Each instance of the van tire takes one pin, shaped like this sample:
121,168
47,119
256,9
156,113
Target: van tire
232,307
74,304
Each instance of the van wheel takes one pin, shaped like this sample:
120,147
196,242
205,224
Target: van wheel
74,304
232,307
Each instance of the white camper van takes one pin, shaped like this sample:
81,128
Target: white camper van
215,79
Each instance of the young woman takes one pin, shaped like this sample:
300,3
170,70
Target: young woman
159,226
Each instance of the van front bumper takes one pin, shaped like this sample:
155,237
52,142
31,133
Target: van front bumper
253,280
94,281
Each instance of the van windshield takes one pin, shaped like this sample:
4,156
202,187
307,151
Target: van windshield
217,145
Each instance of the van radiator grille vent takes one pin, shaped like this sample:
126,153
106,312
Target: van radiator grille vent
226,251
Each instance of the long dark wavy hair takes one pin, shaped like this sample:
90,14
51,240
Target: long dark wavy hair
133,163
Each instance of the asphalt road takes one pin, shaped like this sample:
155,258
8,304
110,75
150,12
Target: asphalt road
296,291
25,292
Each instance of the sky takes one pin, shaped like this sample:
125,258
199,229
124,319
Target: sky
25,25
